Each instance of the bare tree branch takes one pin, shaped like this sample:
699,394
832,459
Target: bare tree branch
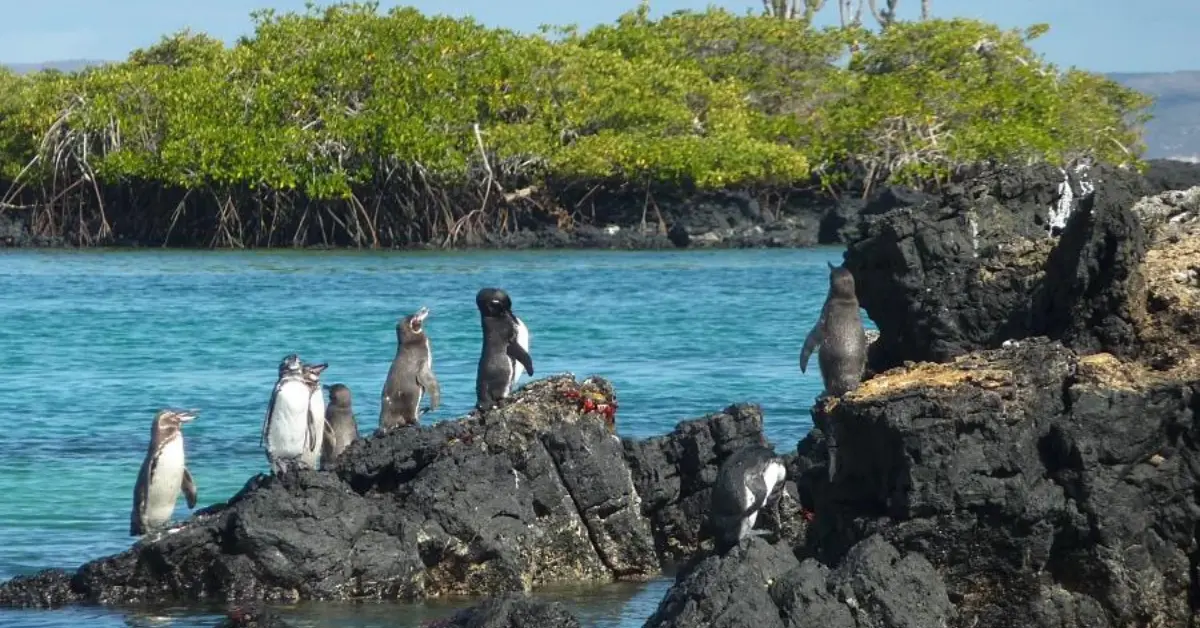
884,16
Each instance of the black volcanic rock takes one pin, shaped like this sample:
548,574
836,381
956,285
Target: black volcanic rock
1047,489
252,617
1039,483
510,611
765,586
1088,294
674,473
1171,174
959,273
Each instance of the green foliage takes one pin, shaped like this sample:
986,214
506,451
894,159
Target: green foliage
933,94
334,98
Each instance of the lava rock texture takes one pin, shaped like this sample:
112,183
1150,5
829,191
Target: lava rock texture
510,611
534,492
1028,453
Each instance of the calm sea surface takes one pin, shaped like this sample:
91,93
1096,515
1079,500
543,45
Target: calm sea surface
93,343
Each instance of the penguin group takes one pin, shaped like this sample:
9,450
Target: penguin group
301,430
749,477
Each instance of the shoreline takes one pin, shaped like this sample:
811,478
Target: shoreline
731,219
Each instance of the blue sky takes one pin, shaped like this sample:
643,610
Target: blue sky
1099,35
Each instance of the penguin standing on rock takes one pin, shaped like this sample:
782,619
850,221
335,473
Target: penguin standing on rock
841,342
410,376
163,474
505,354
744,483
341,426
287,428
317,425
838,336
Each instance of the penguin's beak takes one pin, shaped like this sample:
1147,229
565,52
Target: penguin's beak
318,368
186,415
421,314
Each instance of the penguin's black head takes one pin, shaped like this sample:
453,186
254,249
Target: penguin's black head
494,303
312,372
169,420
411,328
841,282
415,322
289,364
339,394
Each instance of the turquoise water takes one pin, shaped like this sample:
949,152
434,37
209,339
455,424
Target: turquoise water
93,343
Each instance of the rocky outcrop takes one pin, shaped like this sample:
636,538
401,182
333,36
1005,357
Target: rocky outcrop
535,492
1048,489
674,473
1029,454
1165,175
510,611
969,265
252,617
766,586
1052,483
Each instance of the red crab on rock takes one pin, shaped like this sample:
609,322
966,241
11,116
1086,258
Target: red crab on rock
595,401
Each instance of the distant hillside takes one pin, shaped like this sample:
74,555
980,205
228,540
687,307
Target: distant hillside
1175,129
66,65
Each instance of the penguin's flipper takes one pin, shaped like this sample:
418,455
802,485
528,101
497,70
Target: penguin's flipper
429,382
518,353
310,438
189,488
140,492
810,343
270,411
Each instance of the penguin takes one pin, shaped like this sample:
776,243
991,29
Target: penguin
410,376
505,354
163,475
317,424
841,342
285,431
744,482
341,426
838,336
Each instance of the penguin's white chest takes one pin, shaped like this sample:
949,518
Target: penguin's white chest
165,481
289,419
523,340
316,416
772,476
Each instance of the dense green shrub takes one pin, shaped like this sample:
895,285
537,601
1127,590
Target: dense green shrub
340,100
